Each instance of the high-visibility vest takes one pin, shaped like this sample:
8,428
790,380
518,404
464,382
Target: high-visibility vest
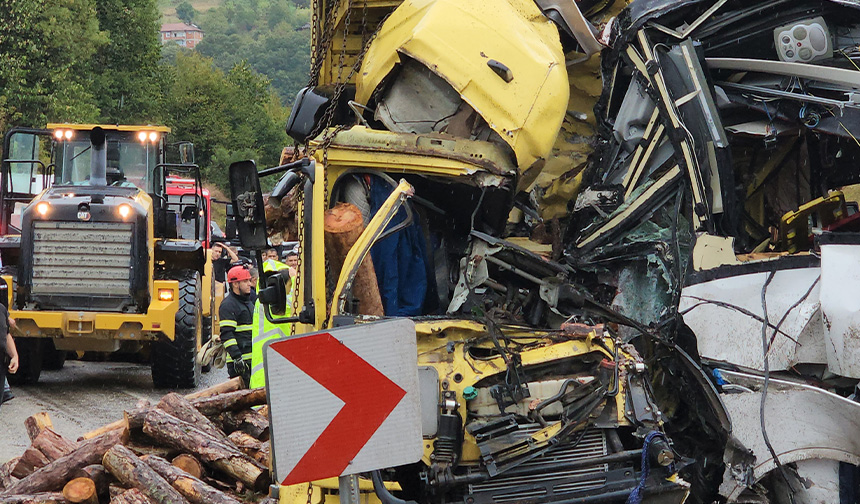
263,331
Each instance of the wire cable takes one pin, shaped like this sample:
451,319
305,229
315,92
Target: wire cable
765,350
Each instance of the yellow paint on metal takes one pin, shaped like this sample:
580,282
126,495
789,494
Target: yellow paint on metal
456,40
112,127
435,154
160,318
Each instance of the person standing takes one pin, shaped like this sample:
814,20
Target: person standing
7,346
236,316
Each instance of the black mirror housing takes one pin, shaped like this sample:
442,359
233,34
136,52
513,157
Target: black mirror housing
248,210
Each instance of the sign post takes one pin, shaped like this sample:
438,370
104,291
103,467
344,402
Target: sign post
344,401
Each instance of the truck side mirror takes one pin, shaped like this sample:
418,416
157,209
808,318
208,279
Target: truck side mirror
189,213
230,224
186,153
247,198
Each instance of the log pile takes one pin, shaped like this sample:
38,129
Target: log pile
208,447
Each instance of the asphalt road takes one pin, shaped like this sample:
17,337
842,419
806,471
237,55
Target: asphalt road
81,397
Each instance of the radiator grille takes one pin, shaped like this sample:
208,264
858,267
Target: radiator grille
82,258
550,479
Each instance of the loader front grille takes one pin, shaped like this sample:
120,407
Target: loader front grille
82,259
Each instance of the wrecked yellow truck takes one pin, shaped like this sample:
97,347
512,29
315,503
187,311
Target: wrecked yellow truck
626,233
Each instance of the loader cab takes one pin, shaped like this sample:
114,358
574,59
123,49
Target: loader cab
131,158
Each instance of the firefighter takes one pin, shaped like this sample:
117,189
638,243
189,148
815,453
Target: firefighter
236,317
263,330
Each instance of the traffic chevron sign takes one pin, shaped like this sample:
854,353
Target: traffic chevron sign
344,401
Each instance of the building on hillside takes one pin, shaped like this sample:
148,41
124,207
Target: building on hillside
183,34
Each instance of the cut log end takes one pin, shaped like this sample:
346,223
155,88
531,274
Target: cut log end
189,464
343,218
81,490
36,423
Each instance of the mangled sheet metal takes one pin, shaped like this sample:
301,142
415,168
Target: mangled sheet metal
695,187
720,208
495,72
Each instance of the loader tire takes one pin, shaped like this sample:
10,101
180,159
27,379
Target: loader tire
174,363
52,359
29,361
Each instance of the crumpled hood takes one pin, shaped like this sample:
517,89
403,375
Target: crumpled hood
456,40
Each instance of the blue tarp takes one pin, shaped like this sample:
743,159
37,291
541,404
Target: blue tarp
399,260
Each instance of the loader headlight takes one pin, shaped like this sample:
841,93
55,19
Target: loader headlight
165,294
42,208
61,134
141,136
124,210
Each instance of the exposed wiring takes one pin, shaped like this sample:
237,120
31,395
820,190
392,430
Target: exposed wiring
764,351
723,304
842,52
790,309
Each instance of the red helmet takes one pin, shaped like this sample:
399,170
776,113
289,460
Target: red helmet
237,274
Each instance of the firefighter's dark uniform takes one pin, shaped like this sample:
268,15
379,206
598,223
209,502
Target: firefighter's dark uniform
236,318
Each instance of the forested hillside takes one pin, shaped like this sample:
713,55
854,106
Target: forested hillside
102,61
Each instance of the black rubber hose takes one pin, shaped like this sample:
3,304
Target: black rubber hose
383,493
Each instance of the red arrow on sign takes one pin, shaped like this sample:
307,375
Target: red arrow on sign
368,396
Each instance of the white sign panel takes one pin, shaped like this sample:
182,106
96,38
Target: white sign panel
344,401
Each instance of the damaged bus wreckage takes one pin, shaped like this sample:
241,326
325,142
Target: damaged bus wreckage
627,234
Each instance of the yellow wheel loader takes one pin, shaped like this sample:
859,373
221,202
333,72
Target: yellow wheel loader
101,251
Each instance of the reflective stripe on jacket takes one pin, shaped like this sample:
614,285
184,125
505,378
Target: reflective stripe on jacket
236,322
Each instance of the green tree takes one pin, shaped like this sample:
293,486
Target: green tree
228,116
185,12
268,34
46,49
127,76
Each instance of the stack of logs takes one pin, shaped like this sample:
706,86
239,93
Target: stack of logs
206,447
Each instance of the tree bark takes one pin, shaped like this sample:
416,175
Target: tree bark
232,401
35,498
189,464
28,462
134,417
343,225
248,421
230,385
114,490
213,451
36,423
104,429
132,496
251,446
151,448
6,473
56,473
81,491
196,491
133,472
97,473
53,445
181,408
